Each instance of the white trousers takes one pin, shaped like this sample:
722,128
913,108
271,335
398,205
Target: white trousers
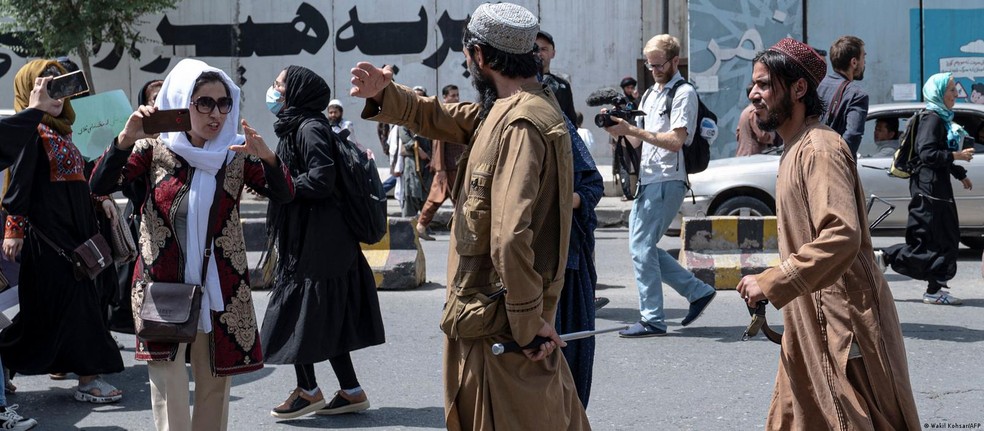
169,391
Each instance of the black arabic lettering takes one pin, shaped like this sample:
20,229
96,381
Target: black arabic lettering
451,33
383,38
308,31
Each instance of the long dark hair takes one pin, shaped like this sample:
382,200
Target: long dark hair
787,71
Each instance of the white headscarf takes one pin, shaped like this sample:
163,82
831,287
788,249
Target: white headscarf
176,93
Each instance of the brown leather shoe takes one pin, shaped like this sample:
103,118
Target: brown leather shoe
298,404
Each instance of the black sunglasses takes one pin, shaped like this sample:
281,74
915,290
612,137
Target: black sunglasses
205,105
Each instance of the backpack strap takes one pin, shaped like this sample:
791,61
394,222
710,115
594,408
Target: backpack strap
834,104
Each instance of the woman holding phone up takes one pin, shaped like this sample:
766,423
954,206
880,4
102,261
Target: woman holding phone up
190,175
60,326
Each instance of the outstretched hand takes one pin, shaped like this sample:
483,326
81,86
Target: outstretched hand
368,80
255,146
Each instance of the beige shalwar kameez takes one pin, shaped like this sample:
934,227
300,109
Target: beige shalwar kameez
842,364
510,228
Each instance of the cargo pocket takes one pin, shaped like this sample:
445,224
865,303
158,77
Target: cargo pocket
473,231
475,315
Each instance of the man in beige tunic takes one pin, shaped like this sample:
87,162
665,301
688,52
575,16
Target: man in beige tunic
510,229
842,364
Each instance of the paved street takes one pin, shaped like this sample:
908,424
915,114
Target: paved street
700,377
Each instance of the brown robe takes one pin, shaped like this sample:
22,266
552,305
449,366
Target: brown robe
832,295
511,227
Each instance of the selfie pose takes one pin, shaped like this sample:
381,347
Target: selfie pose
51,212
195,181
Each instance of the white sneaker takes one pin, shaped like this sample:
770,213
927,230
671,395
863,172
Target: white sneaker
941,298
10,420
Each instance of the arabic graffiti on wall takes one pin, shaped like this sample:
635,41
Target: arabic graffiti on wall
724,38
952,42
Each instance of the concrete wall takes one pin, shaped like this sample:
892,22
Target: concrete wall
252,40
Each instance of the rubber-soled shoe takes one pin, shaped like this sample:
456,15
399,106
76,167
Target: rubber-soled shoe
641,330
345,403
600,302
298,404
941,298
697,308
10,420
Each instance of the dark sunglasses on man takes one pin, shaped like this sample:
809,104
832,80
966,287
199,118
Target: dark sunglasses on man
205,105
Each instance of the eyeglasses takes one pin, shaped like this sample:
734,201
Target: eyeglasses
659,68
205,105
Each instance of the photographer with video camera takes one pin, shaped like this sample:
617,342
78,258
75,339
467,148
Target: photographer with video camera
662,184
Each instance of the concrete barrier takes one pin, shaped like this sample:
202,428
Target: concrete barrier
721,250
397,260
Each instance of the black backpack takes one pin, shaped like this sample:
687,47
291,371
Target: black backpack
697,155
905,160
362,196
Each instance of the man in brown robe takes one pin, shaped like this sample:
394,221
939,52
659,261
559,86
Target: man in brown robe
511,225
444,165
842,363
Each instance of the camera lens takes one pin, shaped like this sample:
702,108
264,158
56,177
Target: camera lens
603,120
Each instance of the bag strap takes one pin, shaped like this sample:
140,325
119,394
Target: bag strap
59,250
212,215
834,104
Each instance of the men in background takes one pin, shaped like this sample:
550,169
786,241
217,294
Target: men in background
584,133
630,91
561,88
335,112
751,139
662,185
886,136
386,137
842,362
509,235
444,166
413,166
846,101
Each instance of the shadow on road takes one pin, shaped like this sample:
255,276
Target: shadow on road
425,417
631,315
931,332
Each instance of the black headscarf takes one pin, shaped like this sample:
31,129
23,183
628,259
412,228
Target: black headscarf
307,95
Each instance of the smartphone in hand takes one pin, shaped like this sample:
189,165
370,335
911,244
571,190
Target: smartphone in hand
68,85
169,120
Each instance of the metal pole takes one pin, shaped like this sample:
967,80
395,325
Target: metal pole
500,348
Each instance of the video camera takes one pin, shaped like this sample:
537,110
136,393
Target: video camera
611,96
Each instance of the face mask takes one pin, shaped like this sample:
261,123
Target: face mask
273,102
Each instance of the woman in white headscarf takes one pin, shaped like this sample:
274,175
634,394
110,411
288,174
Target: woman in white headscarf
183,171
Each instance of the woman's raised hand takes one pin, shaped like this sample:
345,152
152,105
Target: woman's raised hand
133,130
255,146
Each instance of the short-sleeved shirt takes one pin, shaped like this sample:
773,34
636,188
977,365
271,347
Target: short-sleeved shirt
659,164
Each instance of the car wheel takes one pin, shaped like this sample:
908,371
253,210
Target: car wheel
745,206
974,242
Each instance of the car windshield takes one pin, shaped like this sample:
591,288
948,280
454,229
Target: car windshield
886,146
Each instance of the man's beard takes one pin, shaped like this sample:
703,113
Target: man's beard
859,76
778,115
487,93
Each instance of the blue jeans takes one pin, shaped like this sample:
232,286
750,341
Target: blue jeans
654,208
389,184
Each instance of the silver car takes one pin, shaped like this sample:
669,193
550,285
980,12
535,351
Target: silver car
747,185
